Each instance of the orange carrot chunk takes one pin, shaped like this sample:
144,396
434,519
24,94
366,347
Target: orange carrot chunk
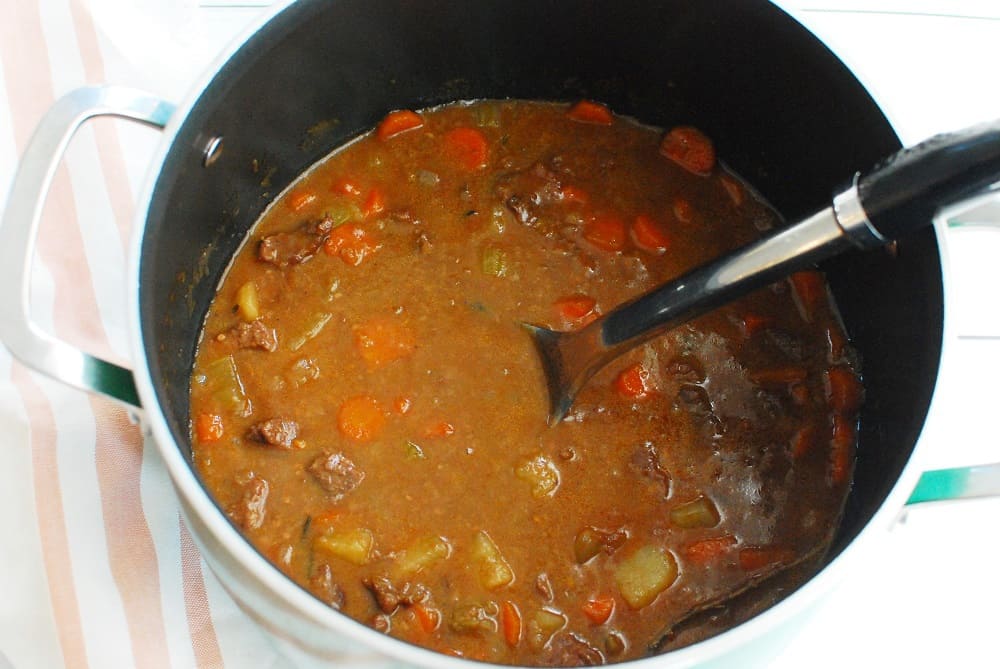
755,558
439,428
841,449
510,619
650,235
428,618
599,609
208,427
351,243
467,148
384,339
346,187
300,199
809,291
704,551
587,111
360,418
606,232
374,203
844,391
576,311
402,405
396,122
633,382
690,148
803,441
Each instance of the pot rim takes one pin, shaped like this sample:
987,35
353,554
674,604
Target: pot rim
198,500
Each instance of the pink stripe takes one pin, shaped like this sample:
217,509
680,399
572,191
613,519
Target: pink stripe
51,519
24,71
205,644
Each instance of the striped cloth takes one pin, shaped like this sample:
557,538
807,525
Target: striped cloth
96,566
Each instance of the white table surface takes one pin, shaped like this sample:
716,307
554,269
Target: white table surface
928,596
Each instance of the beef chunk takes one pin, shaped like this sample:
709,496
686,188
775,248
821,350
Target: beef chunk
323,586
336,474
279,432
390,596
254,335
252,507
527,191
295,247
569,650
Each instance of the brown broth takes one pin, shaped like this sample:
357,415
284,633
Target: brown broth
752,407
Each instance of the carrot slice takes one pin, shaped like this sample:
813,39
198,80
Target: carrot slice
704,551
467,148
803,441
352,243
360,418
649,235
690,148
633,382
300,199
510,619
599,609
841,449
428,618
606,232
809,290
576,311
588,111
208,427
374,203
384,339
440,428
396,122
844,391
755,558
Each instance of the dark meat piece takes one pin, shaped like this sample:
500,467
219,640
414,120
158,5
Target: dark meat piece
295,247
569,650
646,461
390,596
336,474
325,588
279,432
251,509
254,335
526,191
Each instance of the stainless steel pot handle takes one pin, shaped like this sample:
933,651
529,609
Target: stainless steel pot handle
938,485
19,229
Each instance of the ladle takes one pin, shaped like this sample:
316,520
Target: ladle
900,195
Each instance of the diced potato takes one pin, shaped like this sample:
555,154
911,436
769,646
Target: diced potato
642,576
541,627
494,572
542,474
354,546
248,301
223,382
422,554
698,513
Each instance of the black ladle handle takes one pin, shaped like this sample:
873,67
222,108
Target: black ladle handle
908,189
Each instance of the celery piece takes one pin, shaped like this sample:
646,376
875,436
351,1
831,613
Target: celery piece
422,554
248,301
697,513
413,451
342,210
313,327
354,546
542,474
494,572
642,576
222,380
493,261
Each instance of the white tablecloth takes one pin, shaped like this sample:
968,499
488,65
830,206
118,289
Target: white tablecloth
96,567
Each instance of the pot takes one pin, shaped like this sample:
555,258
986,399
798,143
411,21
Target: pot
315,74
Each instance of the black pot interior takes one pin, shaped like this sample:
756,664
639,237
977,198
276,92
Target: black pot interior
783,111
